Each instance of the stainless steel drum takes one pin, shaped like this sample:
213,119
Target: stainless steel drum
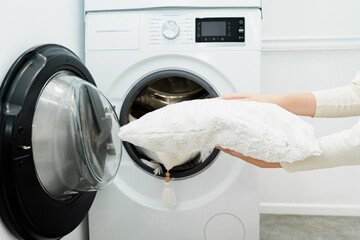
169,90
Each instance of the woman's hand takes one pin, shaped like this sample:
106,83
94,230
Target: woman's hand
253,161
251,97
303,104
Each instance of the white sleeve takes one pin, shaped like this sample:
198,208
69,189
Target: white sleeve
338,149
339,102
341,148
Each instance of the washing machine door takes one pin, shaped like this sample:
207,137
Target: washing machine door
58,143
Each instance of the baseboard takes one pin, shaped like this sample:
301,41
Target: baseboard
310,209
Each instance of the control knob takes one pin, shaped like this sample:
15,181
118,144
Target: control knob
170,30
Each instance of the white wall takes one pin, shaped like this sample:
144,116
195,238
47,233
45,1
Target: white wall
25,23
311,45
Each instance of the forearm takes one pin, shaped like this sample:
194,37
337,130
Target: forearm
303,104
336,102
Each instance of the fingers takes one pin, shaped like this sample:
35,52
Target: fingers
240,96
231,152
253,161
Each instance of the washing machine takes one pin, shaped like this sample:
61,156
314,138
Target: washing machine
146,55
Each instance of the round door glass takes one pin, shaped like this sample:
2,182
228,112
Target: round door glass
75,139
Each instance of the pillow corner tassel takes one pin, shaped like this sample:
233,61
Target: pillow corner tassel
168,196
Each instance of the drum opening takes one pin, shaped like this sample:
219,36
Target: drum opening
156,91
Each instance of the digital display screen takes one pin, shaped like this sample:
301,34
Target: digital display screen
211,28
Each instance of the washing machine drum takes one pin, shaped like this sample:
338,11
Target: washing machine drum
58,143
155,91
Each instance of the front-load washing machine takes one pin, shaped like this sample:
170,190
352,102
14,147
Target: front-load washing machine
146,55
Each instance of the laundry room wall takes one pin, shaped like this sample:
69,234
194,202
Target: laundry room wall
24,24
311,45
28,23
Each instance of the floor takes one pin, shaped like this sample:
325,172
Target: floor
300,227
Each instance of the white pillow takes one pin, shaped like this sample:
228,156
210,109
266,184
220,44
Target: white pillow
260,130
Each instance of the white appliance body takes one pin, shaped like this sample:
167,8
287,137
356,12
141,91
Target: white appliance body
220,202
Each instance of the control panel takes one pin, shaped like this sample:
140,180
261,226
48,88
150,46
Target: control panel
168,29
177,29
220,29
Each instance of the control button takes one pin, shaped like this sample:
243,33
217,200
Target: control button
241,30
170,30
241,22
